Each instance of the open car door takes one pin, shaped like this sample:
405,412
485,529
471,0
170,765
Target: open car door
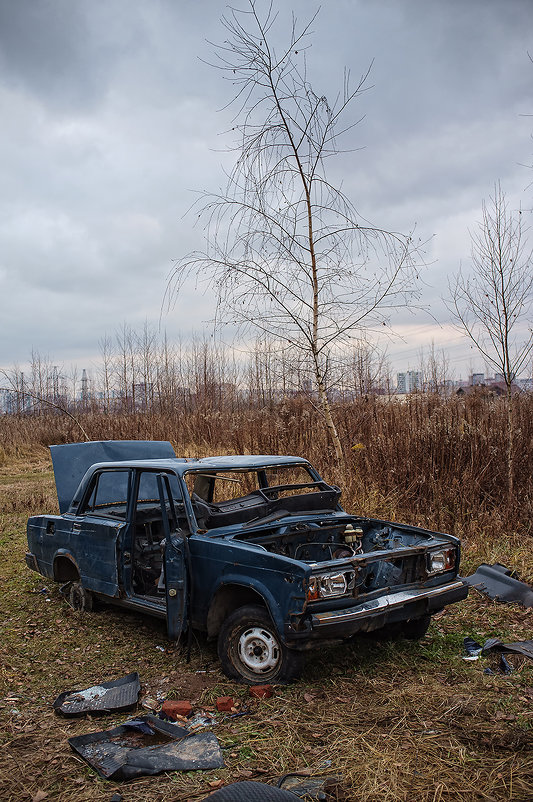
176,586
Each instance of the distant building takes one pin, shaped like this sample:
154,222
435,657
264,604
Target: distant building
7,404
142,392
476,379
84,386
409,381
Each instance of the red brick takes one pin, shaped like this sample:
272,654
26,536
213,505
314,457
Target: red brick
173,709
261,691
225,703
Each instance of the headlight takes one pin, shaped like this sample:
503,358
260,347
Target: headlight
439,561
326,586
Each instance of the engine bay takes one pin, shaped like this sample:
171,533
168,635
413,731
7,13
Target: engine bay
383,554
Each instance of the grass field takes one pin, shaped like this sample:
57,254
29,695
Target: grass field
398,721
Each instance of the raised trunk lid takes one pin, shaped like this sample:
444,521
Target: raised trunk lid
72,460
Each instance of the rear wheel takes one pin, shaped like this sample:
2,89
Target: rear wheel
250,649
79,598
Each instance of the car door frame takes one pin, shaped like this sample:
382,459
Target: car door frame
176,563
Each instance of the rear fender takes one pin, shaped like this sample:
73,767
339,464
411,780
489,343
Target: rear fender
65,567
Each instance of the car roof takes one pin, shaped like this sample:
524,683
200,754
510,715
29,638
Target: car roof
72,461
219,463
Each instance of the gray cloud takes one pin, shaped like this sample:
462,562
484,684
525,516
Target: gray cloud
111,122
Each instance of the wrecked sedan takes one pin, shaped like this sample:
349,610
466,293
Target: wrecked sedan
255,550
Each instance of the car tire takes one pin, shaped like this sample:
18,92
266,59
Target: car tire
79,598
251,651
250,792
416,628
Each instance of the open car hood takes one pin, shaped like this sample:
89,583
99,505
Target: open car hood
72,460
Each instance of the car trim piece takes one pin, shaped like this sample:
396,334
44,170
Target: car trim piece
388,602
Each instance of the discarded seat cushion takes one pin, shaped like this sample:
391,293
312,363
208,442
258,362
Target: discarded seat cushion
107,697
130,751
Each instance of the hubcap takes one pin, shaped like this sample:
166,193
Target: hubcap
259,650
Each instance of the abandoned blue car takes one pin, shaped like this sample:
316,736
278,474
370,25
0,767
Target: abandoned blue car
255,550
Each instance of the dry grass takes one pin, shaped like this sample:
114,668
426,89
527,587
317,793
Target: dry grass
429,460
399,721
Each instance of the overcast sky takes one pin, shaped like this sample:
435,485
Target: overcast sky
111,120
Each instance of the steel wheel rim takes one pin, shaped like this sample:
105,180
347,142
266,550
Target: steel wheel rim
259,650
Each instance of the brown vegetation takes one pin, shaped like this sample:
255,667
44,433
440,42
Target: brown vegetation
427,460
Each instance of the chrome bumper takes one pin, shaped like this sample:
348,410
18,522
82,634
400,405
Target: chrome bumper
386,604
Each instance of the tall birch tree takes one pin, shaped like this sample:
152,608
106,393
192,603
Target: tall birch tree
286,252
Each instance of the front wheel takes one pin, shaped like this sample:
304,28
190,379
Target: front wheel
251,651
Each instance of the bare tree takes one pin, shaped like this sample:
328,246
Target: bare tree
493,304
368,365
287,254
105,344
435,368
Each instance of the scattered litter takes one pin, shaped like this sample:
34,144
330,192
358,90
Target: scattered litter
505,666
497,582
150,704
160,648
225,704
247,791
200,721
474,651
472,648
120,694
315,788
239,714
116,798
261,691
523,647
140,725
126,752
176,709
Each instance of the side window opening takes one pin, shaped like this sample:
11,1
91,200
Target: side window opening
148,534
108,495
237,496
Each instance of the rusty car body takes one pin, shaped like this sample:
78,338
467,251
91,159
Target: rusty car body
255,550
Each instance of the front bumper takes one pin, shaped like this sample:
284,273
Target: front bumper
376,613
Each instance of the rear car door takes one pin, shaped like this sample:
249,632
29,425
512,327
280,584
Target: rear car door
98,527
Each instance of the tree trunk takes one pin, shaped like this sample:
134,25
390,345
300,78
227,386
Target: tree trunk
510,449
330,423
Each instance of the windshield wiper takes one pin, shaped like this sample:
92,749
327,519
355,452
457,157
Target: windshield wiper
273,516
